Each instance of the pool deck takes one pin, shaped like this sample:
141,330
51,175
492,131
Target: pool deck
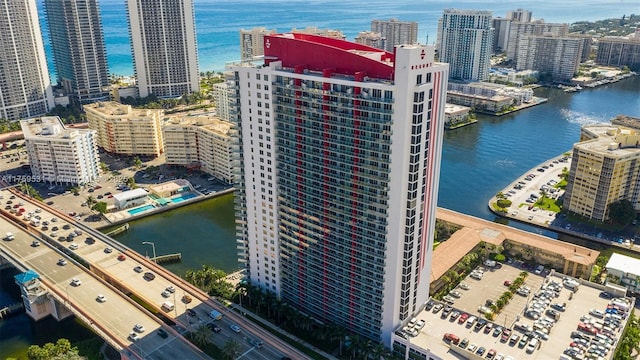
123,216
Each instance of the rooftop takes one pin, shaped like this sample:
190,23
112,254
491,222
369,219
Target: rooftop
48,126
624,264
614,140
206,121
120,111
130,194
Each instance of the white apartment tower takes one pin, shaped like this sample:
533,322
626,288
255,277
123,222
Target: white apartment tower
552,55
395,32
124,130
58,154
25,88
163,43
519,29
337,180
465,41
78,48
252,42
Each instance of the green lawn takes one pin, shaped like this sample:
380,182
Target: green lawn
548,204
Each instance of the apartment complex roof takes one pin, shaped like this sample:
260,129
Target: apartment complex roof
624,264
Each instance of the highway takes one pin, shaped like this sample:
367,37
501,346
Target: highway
124,270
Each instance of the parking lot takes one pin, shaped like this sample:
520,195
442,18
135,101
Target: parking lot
576,309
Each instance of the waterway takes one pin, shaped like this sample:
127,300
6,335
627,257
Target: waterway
477,162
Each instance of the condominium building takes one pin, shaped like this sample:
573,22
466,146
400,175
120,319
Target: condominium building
123,130
618,51
604,170
252,42
538,27
371,38
465,41
78,47
201,141
58,154
313,30
501,27
221,93
556,56
395,32
624,270
338,177
519,15
163,43
25,88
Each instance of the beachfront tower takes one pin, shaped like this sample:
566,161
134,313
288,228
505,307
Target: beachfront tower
339,159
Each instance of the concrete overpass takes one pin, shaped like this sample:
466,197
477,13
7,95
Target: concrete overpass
106,267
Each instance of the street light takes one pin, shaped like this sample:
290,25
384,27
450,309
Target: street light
153,247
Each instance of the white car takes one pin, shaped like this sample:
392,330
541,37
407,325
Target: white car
420,324
76,282
133,336
138,328
235,328
73,247
100,298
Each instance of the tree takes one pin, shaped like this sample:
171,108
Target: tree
231,349
61,350
499,258
104,167
30,191
622,212
201,336
100,207
90,201
137,162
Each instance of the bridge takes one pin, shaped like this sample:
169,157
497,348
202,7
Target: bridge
105,267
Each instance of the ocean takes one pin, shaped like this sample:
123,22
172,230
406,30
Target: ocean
218,22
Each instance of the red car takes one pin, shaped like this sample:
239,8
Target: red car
506,333
121,257
506,283
463,318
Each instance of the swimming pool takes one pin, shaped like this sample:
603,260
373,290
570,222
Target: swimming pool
137,211
183,197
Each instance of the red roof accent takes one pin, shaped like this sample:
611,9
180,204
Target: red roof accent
317,53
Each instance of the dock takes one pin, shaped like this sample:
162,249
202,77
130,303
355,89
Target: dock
169,258
10,309
118,230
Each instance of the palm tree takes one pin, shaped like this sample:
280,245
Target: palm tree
201,336
337,333
378,351
524,274
231,349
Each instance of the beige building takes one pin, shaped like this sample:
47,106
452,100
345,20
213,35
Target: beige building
371,38
124,130
604,169
221,92
201,141
252,42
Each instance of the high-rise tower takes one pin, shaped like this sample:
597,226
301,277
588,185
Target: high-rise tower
395,32
25,87
337,181
78,48
465,41
163,43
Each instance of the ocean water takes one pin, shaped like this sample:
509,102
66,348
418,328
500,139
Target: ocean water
218,22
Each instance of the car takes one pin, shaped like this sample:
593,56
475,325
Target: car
506,283
463,317
66,226
108,250
471,320
437,307
514,339
100,298
133,336
491,354
455,294
121,257
35,243
165,294
170,289
138,328
73,246
472,348
62,262
149,276
89,241
559,307
213,327
454,315
488,327
420,324
530,217
76,282
480,351
256,342
597,313
480,324
497,330
138,269
235,328
464,286
449,299
162,333
523,341
463,344
191,312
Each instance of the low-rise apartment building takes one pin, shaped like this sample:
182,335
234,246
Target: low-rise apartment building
58,154
201,141
124,130
624,270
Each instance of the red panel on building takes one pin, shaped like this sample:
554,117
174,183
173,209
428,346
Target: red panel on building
318,53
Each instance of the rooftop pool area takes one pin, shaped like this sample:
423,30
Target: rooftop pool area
183,197
141,209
